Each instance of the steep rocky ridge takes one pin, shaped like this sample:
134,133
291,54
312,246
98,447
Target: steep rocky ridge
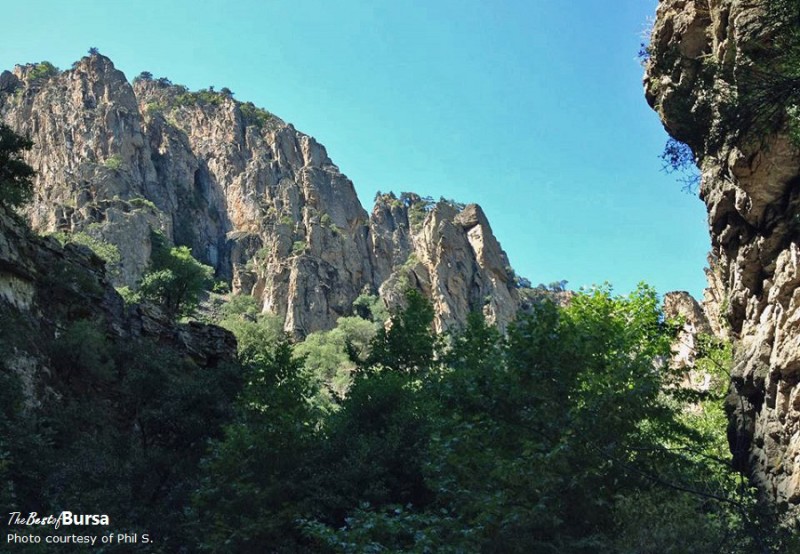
258,200
714,79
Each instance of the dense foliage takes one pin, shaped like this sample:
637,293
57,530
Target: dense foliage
16,176
570,433
174,281
121,431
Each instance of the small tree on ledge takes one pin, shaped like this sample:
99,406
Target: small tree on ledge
176,281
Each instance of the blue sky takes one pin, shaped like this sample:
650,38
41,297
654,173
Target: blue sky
533,109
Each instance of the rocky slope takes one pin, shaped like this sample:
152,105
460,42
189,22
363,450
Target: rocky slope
46,289
258,200
715,77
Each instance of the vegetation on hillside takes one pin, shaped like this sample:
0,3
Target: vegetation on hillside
174,281
16,177
570,433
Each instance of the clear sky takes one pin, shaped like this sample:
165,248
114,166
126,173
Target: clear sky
532,108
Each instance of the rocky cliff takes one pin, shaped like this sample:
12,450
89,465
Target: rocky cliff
721,77
258,200
47,289
681,307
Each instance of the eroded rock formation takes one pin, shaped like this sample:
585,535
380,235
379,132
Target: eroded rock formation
714,78
258,200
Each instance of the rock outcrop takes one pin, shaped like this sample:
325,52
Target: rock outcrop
253,197
681,307
45,288
715,79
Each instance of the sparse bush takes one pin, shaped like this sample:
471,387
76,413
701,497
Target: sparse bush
142,203
299,247
418,208
202,97
679,158
113,162
104,250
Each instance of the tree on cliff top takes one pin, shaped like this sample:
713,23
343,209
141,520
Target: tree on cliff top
16,177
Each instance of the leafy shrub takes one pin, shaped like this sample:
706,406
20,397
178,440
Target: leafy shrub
257,334
142,203
104,250
242,305
328,358
221,287
175,280
83,353
371,307
44,70
113,162
254,115
299,247
177,287
130,297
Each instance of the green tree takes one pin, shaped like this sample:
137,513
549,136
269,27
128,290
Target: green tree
409,343
175,281
16,176
254,478
330,357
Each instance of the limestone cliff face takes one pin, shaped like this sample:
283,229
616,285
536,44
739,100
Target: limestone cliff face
258,200
713,79
680,306
447,251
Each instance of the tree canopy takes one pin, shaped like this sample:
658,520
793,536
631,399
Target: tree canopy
16,176
569,434
175,280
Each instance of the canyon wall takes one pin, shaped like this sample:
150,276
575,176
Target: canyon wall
720,77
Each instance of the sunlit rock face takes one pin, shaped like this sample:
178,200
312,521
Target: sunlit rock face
703,80
258,200
679,306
